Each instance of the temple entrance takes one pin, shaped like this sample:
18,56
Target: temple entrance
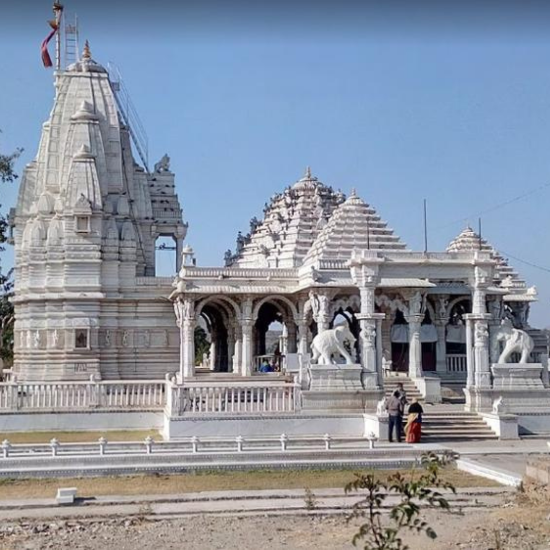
211,339
275,337
428,339
400,343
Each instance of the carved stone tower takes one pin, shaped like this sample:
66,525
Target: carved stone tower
84,230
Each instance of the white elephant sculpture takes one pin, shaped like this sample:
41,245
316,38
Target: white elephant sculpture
331,342
515,340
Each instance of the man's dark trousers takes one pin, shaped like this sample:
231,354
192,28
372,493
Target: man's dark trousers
395,421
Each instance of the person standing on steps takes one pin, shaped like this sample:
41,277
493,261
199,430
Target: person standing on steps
413,429
402,393
404,403
394,406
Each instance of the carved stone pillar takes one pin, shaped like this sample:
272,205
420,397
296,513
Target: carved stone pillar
230,348
247,326
495,307
441,320
415,346
441,345
470,366
247,333
481,354
369,321
184,309
480,319
291,336
238,355
213,354
303,348
320,307
179,250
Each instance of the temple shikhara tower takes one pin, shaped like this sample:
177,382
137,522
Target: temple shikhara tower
85,227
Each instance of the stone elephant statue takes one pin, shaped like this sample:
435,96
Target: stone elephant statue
331,342
515,340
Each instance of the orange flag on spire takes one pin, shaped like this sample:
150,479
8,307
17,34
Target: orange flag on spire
54,24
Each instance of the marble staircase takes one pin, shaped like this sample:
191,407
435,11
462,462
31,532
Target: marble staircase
440,425
390,385
442,422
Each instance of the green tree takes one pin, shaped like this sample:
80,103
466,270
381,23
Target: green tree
413,492
202,345
7,175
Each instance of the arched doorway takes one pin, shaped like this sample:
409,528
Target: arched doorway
400,343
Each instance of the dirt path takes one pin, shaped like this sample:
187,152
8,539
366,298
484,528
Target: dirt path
517,524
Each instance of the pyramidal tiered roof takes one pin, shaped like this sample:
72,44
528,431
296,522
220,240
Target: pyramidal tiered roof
292,221
354,224
469,240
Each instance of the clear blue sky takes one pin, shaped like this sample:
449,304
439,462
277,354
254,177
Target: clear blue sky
400,103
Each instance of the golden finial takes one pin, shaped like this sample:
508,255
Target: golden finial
86,53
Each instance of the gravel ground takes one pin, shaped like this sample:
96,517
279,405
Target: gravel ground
520,527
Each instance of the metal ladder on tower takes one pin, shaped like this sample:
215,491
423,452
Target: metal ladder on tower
129,115
70,31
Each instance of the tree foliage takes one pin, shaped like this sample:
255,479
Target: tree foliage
202,345
413,492
7,175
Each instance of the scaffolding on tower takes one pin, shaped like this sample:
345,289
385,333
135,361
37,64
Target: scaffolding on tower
70,36
129,115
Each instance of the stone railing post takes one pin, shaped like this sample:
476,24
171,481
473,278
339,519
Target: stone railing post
239,440
94,393
284,442
195,444
13,395
54,445
6,446
102,445
149,444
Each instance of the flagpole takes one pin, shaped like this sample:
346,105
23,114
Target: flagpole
58,10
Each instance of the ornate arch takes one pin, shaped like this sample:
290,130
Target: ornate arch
292,307
394,304
353,302
218,299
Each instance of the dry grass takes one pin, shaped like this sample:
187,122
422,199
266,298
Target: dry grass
79,437
207,481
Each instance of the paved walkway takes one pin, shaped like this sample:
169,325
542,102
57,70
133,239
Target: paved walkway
274,502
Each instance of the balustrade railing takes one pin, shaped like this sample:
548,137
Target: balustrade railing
456,363
118,395
234,399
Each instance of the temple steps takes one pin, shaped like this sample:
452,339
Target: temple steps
390,385
446,426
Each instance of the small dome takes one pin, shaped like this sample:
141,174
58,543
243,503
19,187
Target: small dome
85,112
83,153
45,204
55,233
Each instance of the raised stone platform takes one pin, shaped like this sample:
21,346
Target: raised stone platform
517,376
339,388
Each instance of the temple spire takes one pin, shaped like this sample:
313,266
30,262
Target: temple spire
86,52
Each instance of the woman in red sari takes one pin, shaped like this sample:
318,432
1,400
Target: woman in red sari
413,429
